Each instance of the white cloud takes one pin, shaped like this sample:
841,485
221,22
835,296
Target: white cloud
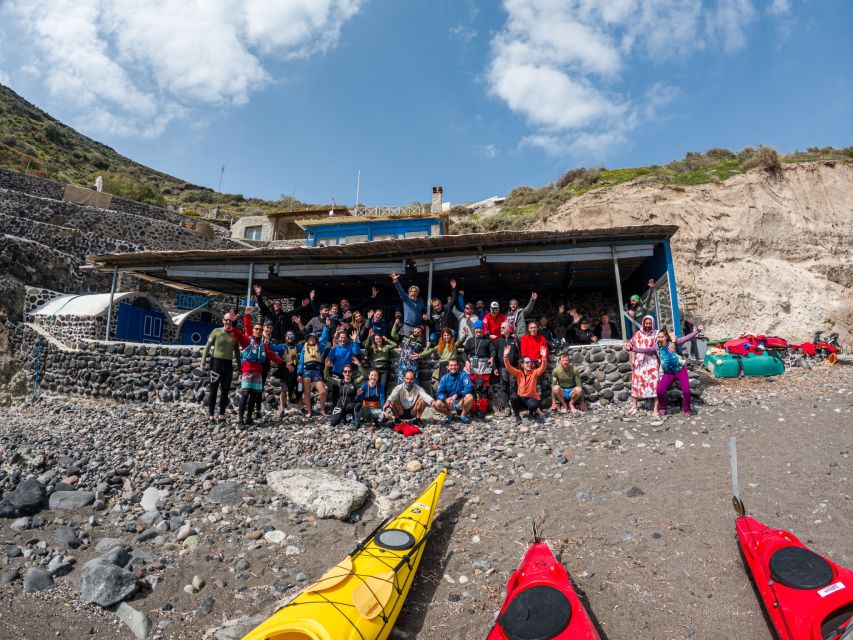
463,34
563,64
130,67
4,78
488,151
779,7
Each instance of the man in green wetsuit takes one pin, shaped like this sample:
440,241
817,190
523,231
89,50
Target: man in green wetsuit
225,349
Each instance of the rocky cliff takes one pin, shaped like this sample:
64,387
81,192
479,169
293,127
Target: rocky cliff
761,252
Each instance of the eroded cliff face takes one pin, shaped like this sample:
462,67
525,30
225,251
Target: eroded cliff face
761,252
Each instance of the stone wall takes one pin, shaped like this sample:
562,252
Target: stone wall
164,373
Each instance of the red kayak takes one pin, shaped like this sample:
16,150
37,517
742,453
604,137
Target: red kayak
541,604
806,596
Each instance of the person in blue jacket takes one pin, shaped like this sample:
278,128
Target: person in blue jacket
370,398
343,352
414,309
309,371
455,395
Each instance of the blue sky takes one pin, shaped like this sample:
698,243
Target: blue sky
480,97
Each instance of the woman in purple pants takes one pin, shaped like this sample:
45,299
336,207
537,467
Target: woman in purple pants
672,367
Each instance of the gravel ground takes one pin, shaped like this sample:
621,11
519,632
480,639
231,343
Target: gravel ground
637,508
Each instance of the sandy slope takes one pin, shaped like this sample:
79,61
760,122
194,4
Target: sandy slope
759,252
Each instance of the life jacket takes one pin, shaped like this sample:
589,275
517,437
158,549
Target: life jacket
290,354
312,355
370,396
255,352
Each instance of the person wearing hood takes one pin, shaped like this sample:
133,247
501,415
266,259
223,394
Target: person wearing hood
671,365
637,306
289,351
309,371
644,366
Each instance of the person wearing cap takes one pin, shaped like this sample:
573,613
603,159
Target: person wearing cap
282,321
224,348
581,333
517,317
414,309
493,320
480,357
637,307
309,372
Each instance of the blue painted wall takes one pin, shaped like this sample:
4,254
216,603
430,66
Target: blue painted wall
371,228
654,267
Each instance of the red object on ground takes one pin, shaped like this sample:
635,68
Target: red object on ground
541,603
407,429
806,596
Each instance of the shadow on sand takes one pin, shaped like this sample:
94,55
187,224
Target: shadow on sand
582,596
433,566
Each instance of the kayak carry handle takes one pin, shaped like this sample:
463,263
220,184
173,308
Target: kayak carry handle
740,510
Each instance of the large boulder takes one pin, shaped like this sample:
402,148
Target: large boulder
104,583
71,499
37,580
327,495
26,499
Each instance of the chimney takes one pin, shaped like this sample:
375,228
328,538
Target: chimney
436,199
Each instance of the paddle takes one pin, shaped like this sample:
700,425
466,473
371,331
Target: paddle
334,576
372,595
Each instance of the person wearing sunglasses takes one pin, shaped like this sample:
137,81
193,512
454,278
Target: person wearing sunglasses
255,353
527,395
224,348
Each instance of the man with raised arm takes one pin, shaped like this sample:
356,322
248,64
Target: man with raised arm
414,309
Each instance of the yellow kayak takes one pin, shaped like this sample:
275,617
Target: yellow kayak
361,597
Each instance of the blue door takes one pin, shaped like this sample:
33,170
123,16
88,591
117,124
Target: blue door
135,324
196,331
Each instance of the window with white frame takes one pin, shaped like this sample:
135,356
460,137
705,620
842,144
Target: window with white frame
253,233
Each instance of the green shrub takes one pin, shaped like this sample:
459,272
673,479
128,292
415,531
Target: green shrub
126,186
764,158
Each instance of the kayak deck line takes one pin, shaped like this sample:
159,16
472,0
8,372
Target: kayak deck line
365,603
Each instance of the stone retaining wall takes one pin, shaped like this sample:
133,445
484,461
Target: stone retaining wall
160,373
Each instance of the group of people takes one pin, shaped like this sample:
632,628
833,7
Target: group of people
342,355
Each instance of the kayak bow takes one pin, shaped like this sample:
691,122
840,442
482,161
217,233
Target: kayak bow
541,603
806,596
361,597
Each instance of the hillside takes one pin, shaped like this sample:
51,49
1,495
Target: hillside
765,251
34,142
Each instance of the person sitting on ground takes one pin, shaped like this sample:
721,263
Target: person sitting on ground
672,367
370,400
282,321
407,401
480,356
506,383
517,317
347,387
580,333
527,394
532,343
411,347
493,320
445,349
255,352
566,386
223,347
605,329
438,316
414,308
545,329
309,372
455,393
637,306
379,354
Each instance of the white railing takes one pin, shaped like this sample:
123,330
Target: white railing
402,210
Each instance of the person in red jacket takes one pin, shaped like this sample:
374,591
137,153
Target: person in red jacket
493,320
532,343
255,353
